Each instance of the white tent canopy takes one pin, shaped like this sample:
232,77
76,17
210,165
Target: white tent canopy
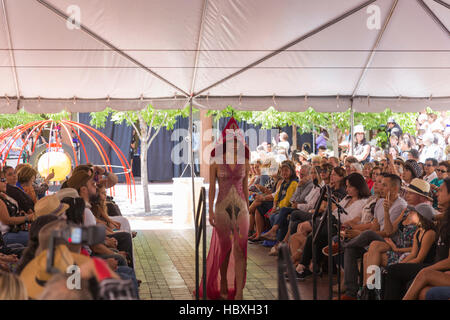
251,54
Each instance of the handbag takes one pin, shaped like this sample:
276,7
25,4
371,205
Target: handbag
13,211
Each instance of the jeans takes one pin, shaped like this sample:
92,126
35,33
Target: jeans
322,241
398,277
353,250
20,237
283,222
127,273
438,293
121,261
124,243
298,216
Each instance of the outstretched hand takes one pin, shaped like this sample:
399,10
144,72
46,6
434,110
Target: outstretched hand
211,219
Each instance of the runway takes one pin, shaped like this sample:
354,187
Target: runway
165,264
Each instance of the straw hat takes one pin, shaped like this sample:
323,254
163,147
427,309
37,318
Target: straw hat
420,187
303,154
35,276
67,193
50,205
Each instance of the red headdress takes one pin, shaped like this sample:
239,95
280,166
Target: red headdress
231,131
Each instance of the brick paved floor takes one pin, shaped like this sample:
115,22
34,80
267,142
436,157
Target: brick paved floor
165,264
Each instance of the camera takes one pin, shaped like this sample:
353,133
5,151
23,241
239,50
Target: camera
74,234
81,235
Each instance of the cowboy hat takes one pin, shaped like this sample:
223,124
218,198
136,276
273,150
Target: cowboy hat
420,187
35,276
50,205
67,193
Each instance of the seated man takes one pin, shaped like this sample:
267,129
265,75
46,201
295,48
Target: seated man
86,188
387,210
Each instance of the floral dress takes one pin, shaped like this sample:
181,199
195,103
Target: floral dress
405,239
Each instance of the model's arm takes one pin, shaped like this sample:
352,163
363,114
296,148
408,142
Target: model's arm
212,191
245,182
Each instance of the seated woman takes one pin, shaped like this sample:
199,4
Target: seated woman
26,176
353,203
307,191
13,223
100,211
337,182
325,172
281,199
23,200
399,275
264,201
367,174
376,171
415,239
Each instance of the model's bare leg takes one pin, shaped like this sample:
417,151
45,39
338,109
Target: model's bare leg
223,277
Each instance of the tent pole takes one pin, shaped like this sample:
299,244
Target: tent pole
191,154
433,16
352,123
11,54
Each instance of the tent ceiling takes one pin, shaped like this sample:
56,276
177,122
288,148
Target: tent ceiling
131,53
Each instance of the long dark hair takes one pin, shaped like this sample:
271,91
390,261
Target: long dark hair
444,226
75,212
341,173
358,182
33,241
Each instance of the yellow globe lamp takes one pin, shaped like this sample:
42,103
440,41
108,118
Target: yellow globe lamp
57,161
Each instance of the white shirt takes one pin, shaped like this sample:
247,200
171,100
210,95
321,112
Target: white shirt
310,200
430,177
89,218
354,210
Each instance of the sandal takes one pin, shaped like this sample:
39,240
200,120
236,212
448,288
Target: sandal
268,237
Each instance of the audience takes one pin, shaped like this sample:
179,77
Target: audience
27,219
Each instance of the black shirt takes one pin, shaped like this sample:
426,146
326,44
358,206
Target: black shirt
23,200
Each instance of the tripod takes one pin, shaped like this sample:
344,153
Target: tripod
327,217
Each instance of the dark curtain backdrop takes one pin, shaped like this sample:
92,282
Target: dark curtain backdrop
160,165
120,134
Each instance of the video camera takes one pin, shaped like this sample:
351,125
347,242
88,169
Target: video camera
74,234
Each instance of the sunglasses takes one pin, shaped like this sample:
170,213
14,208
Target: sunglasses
441,171
429,165
2,180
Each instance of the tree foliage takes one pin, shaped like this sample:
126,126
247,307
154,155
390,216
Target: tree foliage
155,118
22,117
310,120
